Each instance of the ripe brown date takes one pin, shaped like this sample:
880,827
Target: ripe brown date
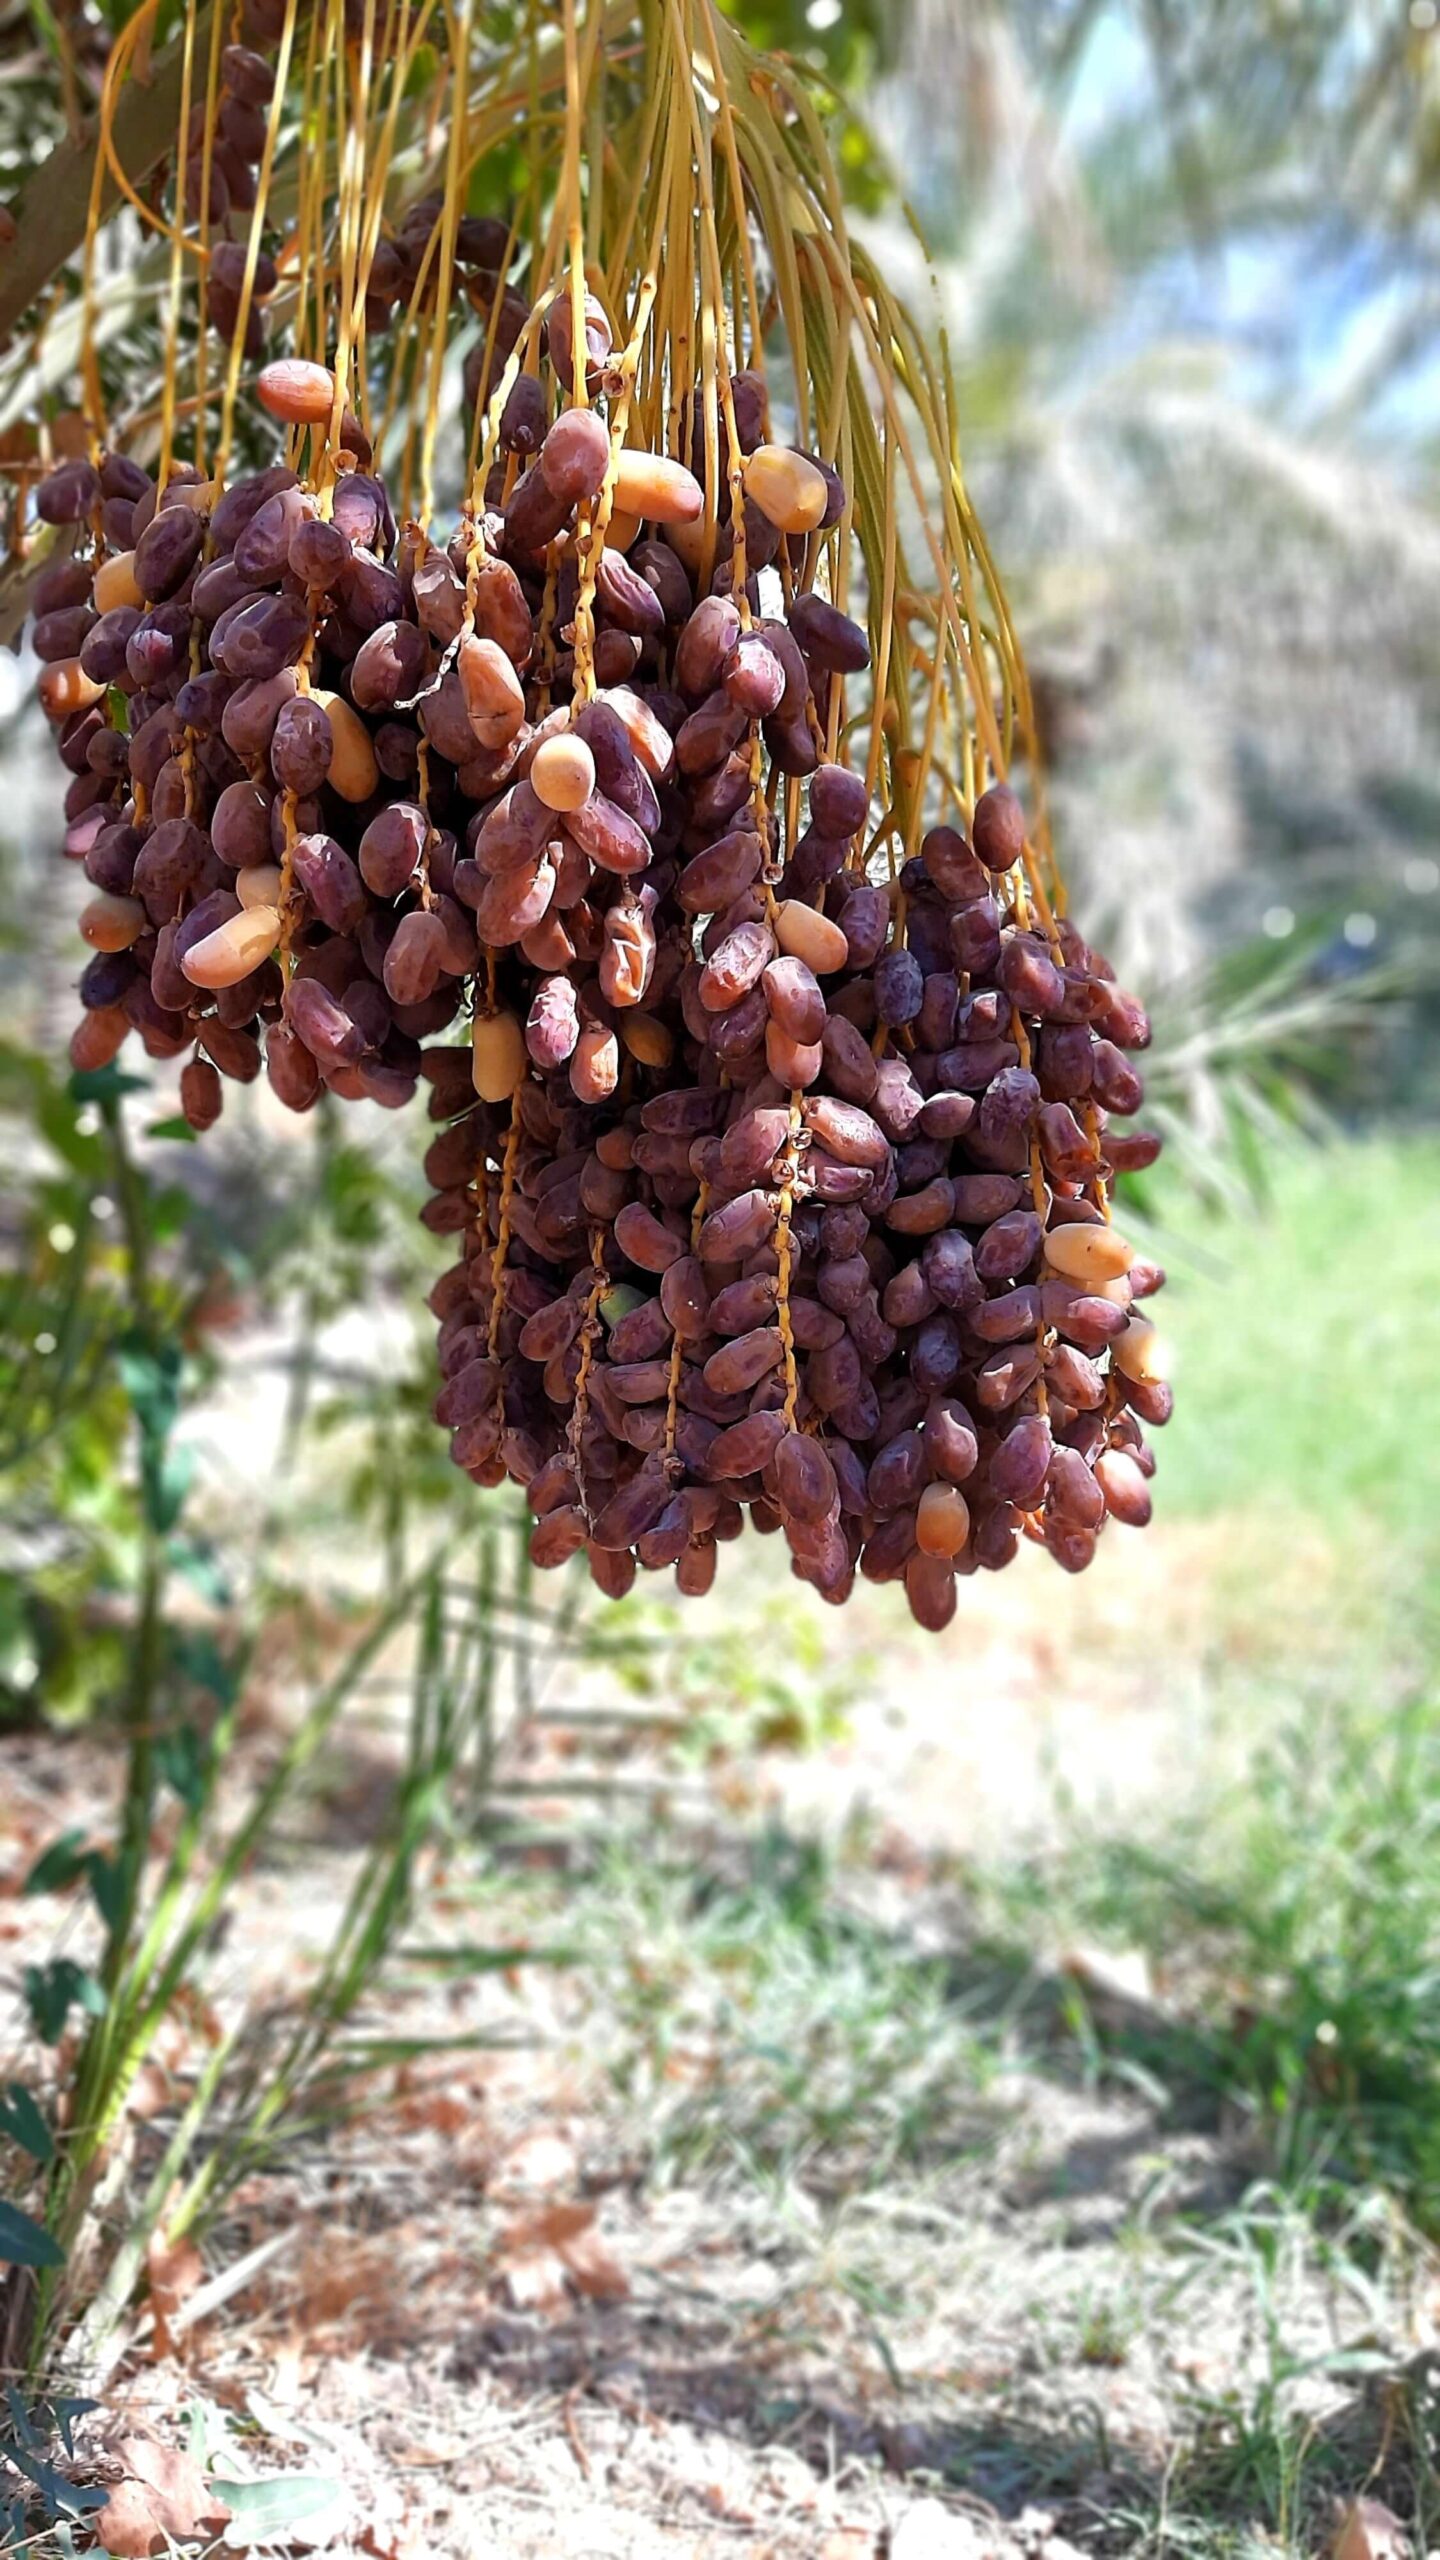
774,1158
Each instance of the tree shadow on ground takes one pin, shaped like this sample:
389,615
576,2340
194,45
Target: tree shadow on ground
1015,2456
1008,2456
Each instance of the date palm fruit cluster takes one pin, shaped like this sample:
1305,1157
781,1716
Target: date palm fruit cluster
777,1141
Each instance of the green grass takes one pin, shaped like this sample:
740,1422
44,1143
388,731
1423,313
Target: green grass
753,2015
1317,2416
756,2016
774,2025
1292,1915
1293,1924
1308,1338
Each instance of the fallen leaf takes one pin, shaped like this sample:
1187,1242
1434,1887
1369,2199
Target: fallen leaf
534,2280
538,2251
406,2537
594,2270
162,2496
551,2226
175,2270
128,2523
538,2164
1367,2530
351,2279
1121,1977
439,2111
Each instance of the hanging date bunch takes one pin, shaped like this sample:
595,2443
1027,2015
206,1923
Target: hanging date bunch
546,657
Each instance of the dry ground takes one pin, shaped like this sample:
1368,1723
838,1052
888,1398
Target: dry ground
582,2283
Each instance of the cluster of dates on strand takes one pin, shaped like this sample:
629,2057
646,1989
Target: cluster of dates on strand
775,1187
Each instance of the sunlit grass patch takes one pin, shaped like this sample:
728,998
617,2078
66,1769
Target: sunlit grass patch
1308,1333
754,2015
1292,1929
